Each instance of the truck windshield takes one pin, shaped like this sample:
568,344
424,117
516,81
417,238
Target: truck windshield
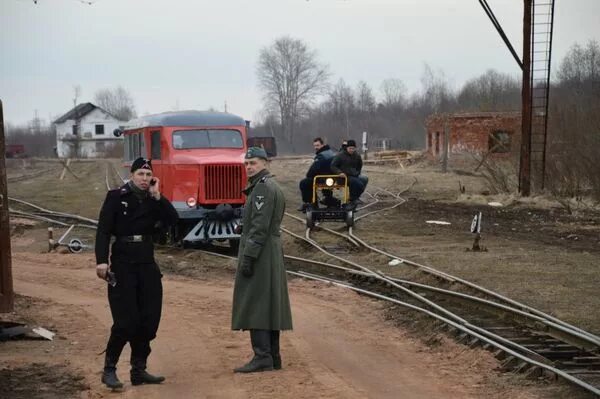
217,138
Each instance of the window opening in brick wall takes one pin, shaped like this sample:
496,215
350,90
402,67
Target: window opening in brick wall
437,143
499,141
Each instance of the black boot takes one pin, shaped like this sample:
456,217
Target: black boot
140,376
275,349
262,360
109,374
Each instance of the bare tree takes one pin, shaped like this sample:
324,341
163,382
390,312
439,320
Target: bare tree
581,64
341,104
365,100
117,102
436,90
492,91
290,77
393,92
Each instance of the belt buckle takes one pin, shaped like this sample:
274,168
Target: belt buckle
137,238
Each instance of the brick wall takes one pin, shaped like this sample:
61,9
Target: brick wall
475,132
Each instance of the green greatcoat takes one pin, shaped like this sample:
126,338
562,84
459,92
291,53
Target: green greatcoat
261,301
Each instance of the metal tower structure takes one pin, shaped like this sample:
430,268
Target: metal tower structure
538,27
542,25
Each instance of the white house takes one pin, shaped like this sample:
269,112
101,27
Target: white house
86,131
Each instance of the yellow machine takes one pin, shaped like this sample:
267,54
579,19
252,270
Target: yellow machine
334,194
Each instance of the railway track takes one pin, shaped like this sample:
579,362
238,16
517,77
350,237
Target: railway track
525,339
113,177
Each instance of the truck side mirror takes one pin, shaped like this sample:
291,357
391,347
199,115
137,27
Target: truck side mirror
117,132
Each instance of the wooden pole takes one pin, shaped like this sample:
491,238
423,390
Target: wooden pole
446,145
525,163
6,283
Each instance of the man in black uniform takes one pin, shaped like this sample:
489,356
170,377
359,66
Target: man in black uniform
132,213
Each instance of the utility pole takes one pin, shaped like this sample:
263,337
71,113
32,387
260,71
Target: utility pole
525,164
6,283
446,147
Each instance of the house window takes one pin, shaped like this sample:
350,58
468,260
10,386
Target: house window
74,129
99,129
499,142
155,145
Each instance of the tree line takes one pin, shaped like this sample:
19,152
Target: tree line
300,101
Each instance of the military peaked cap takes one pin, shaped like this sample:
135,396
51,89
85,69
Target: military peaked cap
256,152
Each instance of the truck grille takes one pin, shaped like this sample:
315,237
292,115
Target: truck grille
224,183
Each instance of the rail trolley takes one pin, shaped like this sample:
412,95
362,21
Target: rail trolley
332,192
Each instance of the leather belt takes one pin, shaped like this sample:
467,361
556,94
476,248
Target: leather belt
135,238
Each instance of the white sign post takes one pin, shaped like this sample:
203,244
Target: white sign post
476,229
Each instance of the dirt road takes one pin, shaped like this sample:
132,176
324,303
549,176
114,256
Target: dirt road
340,348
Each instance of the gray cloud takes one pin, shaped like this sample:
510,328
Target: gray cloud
197,54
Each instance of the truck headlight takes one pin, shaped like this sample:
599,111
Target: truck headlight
191,202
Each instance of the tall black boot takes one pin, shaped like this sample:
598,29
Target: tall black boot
262,360
275,349
114,347
109,374
140,376
140,350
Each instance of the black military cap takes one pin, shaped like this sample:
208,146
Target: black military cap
351,143
256,152
141,163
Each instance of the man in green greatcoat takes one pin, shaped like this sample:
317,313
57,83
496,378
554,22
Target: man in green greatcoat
260,296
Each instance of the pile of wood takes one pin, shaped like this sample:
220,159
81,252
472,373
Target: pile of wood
393,157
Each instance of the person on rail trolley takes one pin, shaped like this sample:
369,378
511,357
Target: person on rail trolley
349,162
321,166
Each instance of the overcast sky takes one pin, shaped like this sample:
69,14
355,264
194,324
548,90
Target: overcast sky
194,54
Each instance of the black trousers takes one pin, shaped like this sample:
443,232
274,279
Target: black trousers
135,305
356,187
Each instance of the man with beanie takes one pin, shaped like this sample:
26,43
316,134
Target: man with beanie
132,214
348,162
260,295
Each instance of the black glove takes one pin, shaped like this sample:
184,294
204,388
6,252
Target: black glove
247,268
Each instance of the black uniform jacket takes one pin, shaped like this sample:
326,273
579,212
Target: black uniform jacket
346,163
124,215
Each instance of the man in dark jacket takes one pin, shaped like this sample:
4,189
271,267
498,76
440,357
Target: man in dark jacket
132,214
260,295
348,162
321,166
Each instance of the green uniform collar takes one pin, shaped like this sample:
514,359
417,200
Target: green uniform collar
255,179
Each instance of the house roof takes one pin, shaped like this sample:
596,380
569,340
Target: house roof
80,111
187,118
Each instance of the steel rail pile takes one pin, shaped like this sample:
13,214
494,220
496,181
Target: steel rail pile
54,217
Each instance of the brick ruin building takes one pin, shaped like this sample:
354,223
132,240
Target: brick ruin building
492,134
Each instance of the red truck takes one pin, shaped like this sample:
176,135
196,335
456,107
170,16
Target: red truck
15,151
